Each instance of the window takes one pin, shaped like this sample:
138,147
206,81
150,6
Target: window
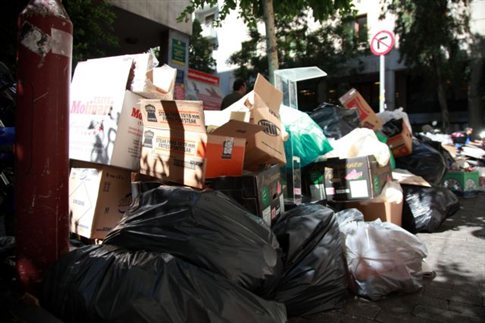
209,19
360,28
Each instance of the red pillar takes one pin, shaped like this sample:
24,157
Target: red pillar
42,130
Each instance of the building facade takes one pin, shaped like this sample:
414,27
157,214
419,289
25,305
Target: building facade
144,24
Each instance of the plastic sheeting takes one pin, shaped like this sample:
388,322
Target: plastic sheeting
108,284
205,228
425,208
335,120
315,275
382,257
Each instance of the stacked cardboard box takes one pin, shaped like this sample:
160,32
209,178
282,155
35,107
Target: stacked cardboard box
105,136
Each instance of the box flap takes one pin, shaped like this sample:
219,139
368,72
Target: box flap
405,177
238,129
268,93
175,115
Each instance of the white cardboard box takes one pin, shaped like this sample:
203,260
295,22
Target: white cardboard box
98,198
105,123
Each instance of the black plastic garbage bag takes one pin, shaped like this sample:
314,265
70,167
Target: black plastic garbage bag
206,228
425,208
393,127
425,161
315,276
108,284
335,121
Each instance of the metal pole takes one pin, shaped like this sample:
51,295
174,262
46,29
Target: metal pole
42,139
382,88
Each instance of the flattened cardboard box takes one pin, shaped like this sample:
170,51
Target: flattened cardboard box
368,118
105,123
98,198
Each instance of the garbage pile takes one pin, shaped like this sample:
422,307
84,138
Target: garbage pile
257,212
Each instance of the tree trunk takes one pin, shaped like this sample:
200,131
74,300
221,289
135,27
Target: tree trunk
475,109
270,38
445,117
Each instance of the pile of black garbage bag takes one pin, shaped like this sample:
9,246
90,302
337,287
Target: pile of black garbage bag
426,208
182,255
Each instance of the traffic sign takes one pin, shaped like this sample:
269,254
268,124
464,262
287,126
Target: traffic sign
382,43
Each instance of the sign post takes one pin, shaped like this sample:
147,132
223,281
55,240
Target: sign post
381,44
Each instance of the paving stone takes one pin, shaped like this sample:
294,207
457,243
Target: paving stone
471,312
467,296
440,315
387,317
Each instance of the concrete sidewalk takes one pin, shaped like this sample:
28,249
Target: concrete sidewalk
457,294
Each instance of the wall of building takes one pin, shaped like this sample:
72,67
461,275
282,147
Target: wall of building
164,12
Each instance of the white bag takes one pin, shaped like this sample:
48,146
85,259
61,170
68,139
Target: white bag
382,257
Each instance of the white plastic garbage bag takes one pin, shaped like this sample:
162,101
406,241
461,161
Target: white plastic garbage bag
358,143
382,257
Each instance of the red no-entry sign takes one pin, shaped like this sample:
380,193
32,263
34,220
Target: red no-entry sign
382,43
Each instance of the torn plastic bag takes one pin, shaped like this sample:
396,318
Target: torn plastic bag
306,139
335,120
425,208
315,274
425,161
382,257
206,228
109,284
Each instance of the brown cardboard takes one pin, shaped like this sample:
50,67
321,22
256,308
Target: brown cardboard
225,156
98,197
368,118
262,104
176,147
402,144
376,209
403,176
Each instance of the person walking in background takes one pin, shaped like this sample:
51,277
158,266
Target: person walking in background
239,89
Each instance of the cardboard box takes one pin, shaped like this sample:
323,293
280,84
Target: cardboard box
402,144
145,79
261,107
286,80
368,118
259,192
174,141
225,156
357,178
291,182
481,179
98,198
104,123
176,147
377,209
461,181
